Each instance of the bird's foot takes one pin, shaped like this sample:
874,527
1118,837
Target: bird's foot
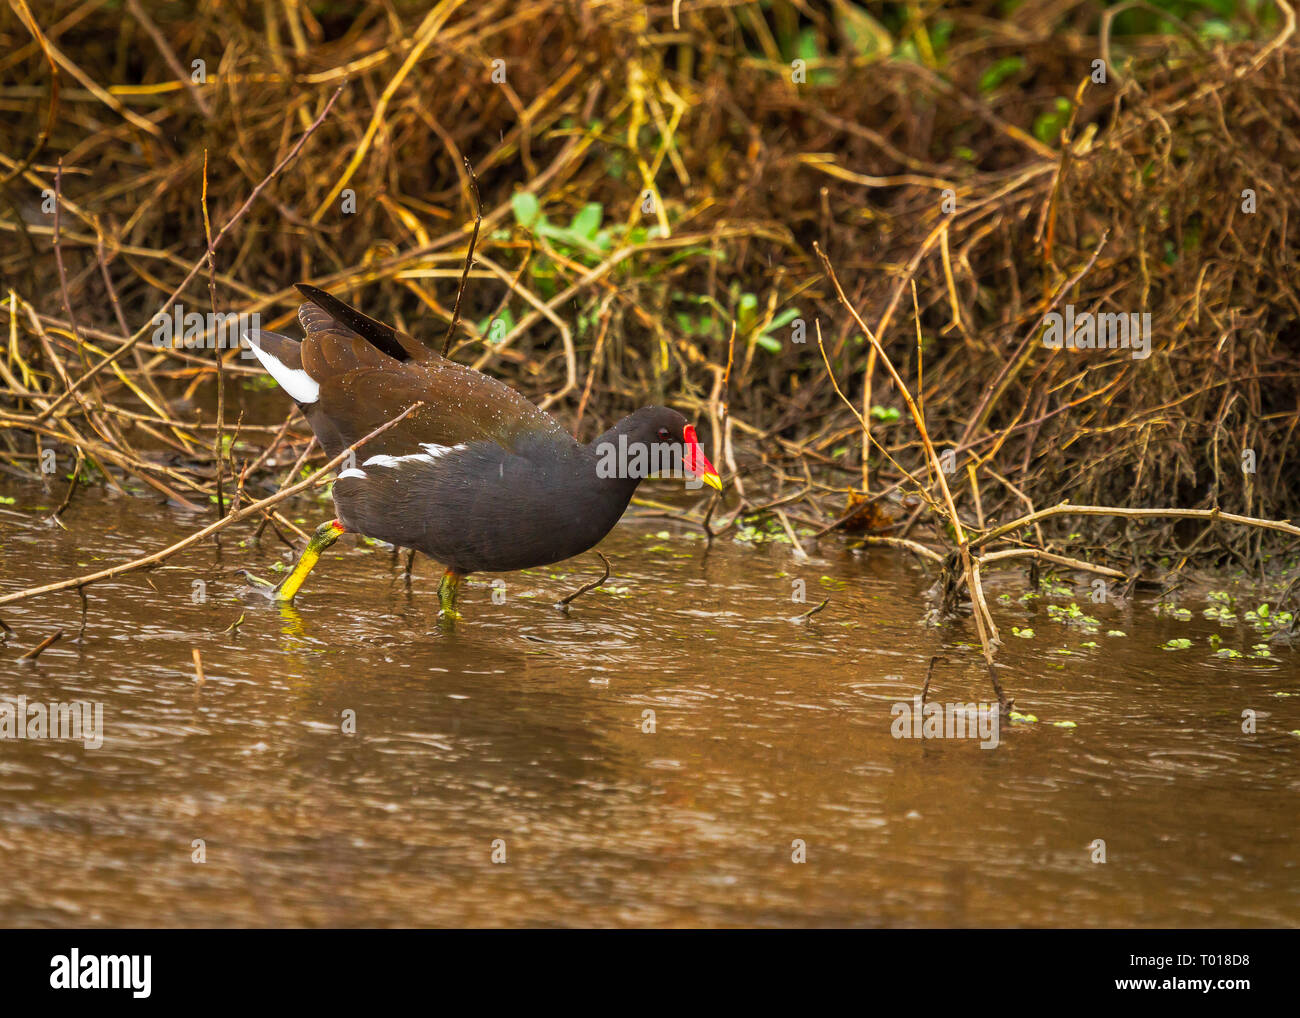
257,585
447,591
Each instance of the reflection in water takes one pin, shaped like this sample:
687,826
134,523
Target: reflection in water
657,756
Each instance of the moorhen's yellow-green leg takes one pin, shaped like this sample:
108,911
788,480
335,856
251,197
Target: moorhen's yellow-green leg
447,590
326,534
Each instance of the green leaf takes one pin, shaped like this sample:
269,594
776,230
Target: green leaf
783,319
746,312
1048,126
498,328
526,207
863,32
808,48
1000,72
587,221
1216,29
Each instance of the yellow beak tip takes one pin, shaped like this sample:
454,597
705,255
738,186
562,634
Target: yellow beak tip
712,480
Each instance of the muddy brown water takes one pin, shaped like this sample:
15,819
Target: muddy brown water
523,732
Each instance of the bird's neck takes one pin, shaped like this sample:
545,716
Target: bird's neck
622,461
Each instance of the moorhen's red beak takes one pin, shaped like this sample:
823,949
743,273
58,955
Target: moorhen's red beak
696,462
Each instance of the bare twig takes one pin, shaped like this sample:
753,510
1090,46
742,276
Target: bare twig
812,611
563,603
469,260
39,649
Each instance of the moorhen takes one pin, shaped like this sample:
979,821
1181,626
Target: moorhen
478,477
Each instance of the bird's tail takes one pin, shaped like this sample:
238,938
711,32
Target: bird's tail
282,358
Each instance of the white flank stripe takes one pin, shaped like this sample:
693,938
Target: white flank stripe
352,472
431,452
296,382
435,451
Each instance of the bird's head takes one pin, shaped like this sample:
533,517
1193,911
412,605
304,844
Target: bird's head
655,440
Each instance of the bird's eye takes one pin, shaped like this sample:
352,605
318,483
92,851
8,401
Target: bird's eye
663,433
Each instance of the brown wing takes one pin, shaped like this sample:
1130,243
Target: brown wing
364,383
461,405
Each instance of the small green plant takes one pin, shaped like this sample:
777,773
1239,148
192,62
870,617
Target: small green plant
750,327
585,240
1265,619
1072,615
1055,588
1000,72
1049,124
497,327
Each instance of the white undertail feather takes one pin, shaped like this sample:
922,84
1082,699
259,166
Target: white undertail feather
295,381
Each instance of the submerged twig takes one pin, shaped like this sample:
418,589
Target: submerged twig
39,649
929,674
563,604
811,611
